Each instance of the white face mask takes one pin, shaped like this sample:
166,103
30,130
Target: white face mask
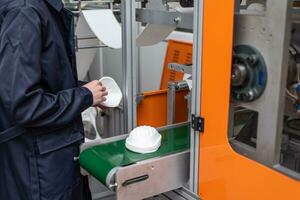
114,97
143,139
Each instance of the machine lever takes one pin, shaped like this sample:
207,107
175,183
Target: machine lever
184,68
135,180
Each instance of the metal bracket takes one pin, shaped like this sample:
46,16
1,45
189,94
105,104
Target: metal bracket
198,123
166,18
181,68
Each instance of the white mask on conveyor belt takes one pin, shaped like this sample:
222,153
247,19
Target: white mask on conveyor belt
143,139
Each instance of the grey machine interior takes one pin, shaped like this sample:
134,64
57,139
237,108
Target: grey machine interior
266,85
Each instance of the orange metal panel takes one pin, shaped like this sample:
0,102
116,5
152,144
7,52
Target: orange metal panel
152,110
223,173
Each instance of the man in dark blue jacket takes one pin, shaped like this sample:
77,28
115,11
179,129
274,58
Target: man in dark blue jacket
40,102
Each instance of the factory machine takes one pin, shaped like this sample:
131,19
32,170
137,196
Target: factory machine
241,139
137,176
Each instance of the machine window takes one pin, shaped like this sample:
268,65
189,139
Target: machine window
265,87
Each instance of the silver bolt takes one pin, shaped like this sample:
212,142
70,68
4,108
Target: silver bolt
177,20
113,186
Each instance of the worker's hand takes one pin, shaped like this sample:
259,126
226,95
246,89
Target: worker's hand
99,92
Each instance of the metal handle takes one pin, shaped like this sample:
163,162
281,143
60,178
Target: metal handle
135,180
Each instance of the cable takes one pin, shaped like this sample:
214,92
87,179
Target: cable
291,95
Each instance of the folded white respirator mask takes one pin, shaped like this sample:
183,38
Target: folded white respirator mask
143,139
114,96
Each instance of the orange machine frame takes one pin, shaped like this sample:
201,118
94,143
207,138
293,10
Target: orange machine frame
152,110
223,173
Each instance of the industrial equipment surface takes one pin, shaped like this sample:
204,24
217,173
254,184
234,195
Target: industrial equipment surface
255,154
132,175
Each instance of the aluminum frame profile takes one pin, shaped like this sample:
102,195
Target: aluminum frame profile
129,61
196,93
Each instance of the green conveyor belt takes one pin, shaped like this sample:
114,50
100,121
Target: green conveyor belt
101,159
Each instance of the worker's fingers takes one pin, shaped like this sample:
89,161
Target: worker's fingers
99,88
98,91
101,93
103,99
100,97
104,93
98,104
103,88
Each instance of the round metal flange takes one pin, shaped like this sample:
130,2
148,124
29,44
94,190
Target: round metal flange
249,74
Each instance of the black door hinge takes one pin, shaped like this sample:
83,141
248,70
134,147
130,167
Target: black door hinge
198,123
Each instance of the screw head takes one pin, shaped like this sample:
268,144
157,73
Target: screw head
177,20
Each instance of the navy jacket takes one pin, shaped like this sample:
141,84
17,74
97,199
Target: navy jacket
40,102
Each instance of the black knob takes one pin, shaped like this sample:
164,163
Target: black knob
187,3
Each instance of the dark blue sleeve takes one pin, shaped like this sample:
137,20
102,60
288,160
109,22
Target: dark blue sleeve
25,102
